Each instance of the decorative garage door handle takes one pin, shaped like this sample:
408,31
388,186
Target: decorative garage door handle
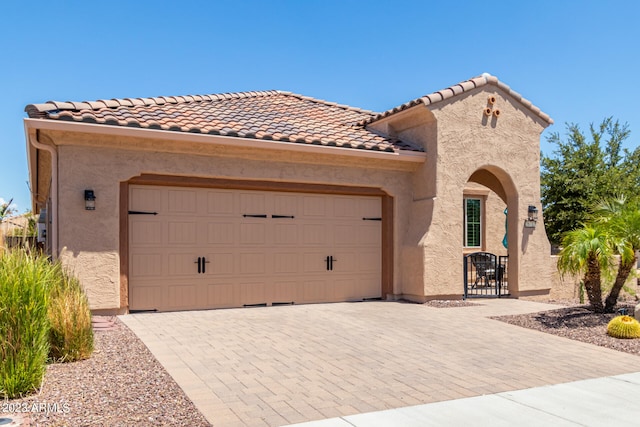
330,260
254,216
202,262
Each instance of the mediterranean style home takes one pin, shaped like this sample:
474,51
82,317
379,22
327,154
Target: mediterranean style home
265,198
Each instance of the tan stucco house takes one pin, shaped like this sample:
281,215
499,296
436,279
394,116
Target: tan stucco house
228,200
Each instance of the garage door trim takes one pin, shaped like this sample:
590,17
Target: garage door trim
182,181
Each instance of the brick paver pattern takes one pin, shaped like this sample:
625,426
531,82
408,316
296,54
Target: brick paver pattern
280,365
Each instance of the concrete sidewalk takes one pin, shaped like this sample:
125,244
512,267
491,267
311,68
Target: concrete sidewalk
274,366
606,401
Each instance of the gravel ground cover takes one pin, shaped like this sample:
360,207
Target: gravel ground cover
123,385
577,323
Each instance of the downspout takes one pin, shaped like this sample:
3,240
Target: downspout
33,140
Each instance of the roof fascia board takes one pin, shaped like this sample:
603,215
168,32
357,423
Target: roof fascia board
259,144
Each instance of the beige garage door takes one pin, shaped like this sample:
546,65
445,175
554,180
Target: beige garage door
194,248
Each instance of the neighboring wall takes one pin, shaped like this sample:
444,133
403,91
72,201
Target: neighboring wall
566,287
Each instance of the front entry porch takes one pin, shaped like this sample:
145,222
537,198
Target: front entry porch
486,275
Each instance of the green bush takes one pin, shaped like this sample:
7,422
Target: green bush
24,326
71,333
43,313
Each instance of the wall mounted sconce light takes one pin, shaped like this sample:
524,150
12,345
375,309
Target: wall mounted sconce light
532,217
89,200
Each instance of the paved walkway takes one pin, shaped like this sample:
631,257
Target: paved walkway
282,365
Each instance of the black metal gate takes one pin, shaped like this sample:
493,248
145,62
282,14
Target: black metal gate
486,275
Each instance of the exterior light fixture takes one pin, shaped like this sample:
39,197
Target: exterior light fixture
532,217
89,200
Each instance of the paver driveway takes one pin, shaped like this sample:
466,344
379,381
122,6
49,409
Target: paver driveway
282,365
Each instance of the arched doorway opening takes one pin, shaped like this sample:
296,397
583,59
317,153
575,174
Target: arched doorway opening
490,237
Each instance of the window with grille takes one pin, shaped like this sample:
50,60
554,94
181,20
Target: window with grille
472,223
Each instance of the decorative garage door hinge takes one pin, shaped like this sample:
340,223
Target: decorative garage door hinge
372,219
142,213
254,216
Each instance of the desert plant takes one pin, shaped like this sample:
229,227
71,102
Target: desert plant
624,327
71,333
621,216
24,286
587,250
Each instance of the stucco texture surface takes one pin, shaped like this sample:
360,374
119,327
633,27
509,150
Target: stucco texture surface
505,150
91,238
463,146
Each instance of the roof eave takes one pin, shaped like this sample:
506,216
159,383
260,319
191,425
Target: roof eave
258,144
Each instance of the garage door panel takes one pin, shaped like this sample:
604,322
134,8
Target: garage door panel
285,234
285,292
145,233
285,204
221,203
221,233
314,234
252,263
182,264
253,203
370,286
253,293
182,201
220,263
345,261
146,199
279,257
146,265
147,297
182,233
253,233
286,262
369,207
345,208
314,290
314,206
369,262
344,234
182,296
221,295
314,262
368,235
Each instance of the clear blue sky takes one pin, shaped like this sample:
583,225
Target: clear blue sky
579,61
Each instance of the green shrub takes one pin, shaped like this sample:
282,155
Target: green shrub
71,333
624,327
24,327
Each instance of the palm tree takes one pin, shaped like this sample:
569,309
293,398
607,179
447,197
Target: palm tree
6,210
621,217
587,250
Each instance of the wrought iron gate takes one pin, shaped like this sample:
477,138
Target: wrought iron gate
486,275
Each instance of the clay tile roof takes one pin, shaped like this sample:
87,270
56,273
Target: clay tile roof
441,95
267,115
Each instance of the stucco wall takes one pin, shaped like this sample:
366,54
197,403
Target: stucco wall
91,238
467,141
566,286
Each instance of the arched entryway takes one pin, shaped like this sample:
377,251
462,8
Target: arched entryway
490,235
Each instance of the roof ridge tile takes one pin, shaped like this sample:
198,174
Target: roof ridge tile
450,91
